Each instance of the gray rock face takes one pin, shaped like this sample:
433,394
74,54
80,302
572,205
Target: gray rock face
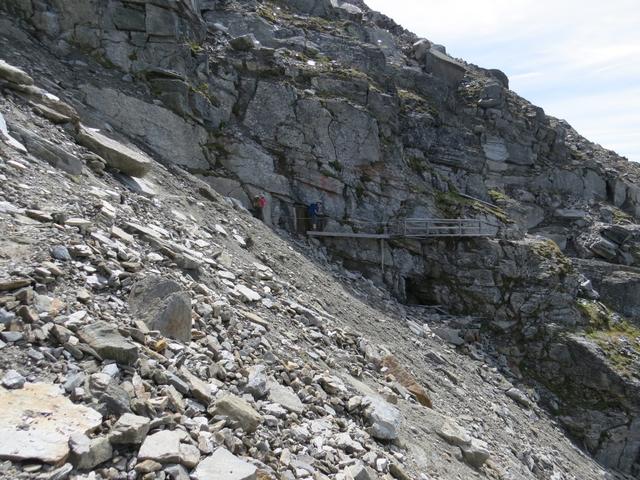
170,136
384,418
223,465
163,306
108,343
118,156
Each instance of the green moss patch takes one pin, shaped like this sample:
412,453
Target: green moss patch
549,250
618,338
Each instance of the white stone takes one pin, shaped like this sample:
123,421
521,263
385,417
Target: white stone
286,397
247,294
223,465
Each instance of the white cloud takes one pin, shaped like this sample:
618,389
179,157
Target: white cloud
578,59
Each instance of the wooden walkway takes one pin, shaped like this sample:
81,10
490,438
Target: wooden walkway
417,228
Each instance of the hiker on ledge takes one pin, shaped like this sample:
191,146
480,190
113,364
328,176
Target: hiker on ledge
259,202
313,210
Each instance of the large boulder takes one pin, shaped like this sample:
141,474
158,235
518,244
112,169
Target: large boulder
162,305
444,67
117,155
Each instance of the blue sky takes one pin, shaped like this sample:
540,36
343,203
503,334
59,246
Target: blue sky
579,60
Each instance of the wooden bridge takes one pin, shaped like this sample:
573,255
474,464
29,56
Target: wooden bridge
417,228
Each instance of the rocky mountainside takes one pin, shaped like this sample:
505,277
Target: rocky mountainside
152,328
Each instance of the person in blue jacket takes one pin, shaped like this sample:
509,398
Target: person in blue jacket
313,210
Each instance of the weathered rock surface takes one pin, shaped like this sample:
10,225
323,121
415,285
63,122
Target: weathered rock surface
224,465
384,418
162,305
118,156
166,447
109,343
238,411
129,429
51,418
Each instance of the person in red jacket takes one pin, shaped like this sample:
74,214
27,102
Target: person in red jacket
259,203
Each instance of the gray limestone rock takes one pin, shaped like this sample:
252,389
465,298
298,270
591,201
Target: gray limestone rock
130,429
60,252
384,418
118,156
453,433
13,380
166,447
162,305
109,343
239,411
476,453
49,152
171,137
52,419
161,21
245,42
223,465
286,397
88,453
14,74
257,382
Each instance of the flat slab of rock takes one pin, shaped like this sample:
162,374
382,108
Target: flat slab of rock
247,294
117,155
239,411
224,465
108,343
14,74
37,421
407,380
8,284
166,447
286,397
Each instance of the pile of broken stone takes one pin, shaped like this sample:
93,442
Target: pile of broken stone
140,342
